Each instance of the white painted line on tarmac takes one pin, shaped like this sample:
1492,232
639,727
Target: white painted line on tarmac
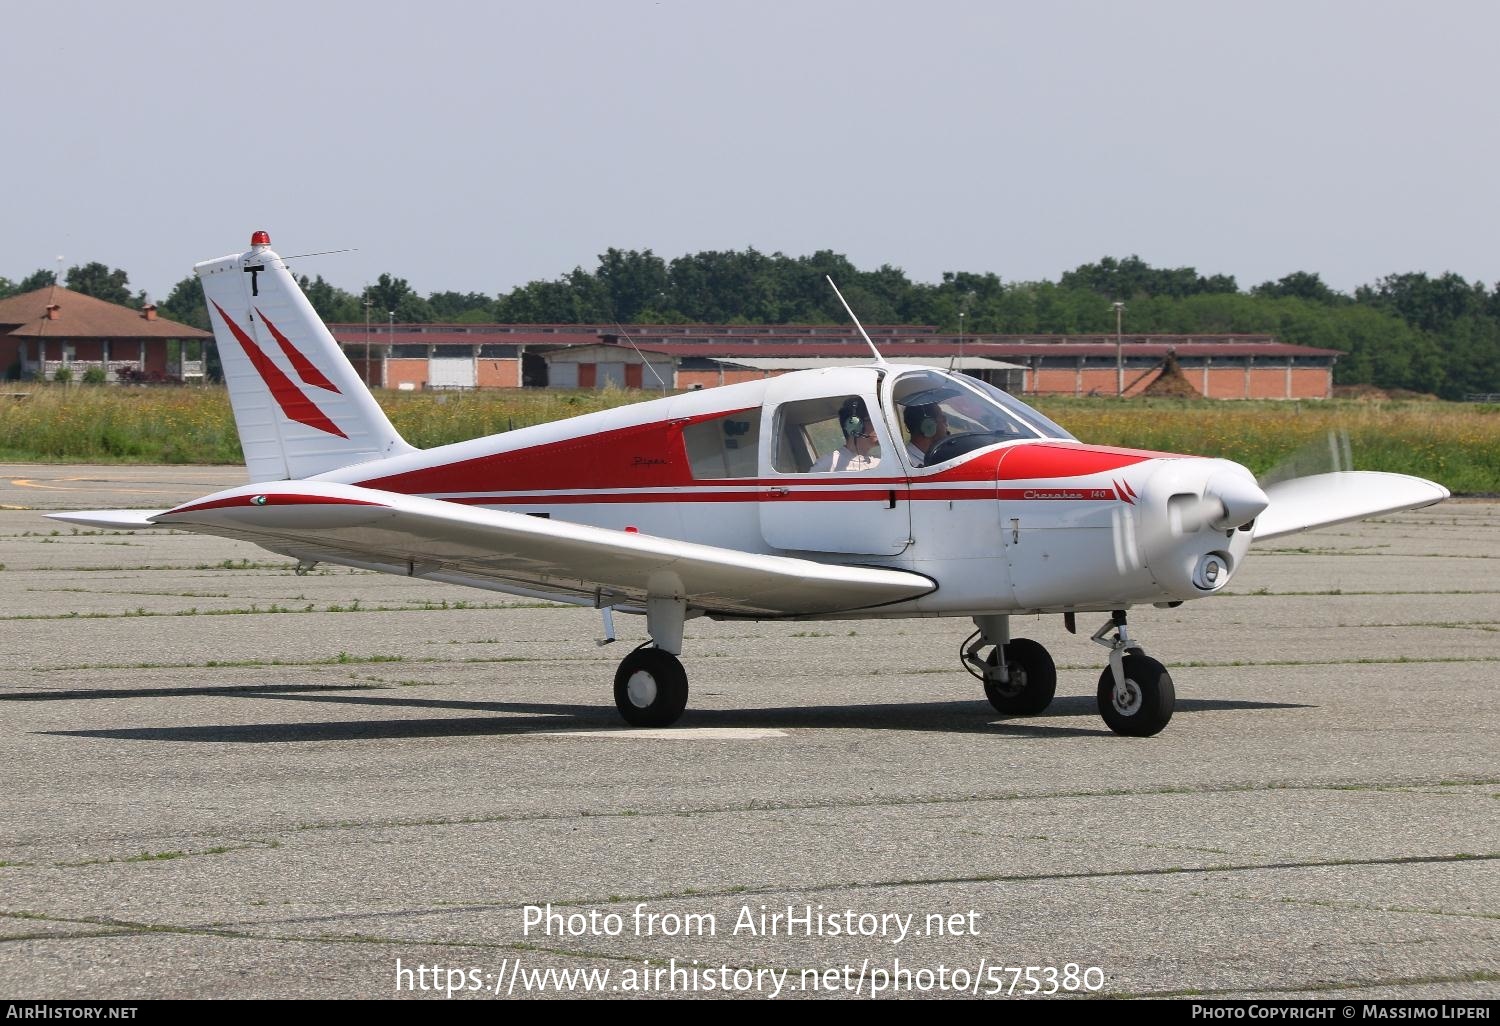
672,734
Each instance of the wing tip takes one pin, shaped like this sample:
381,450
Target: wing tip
110,519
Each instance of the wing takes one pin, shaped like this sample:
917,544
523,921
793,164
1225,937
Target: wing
1324,499
513,552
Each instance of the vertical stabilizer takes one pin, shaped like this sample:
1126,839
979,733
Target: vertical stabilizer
300,407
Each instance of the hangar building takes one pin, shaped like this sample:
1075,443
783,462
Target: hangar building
419,356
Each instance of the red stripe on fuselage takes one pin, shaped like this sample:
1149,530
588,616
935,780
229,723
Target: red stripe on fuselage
652,456
1046,493
288,396
1046,460
639,456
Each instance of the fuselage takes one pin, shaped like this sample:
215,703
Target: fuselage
1017,515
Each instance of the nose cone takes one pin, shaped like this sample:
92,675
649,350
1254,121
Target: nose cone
1233,498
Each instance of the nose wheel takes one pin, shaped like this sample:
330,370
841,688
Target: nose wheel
1136,695
1141,704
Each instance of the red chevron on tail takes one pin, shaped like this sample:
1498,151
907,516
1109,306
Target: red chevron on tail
294,404
309,374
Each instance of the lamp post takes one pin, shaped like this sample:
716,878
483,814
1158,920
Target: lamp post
1119,351
960,341
368,303
963,308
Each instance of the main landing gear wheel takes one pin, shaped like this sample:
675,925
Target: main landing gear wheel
1033,679
651,688
1144,705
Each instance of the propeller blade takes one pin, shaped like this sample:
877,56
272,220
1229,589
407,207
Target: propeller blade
1320,456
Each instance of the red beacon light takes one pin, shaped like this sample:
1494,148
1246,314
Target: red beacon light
260,239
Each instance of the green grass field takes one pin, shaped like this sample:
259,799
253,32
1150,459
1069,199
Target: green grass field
1456,444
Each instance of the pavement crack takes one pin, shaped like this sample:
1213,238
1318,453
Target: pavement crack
1101,874
872,885
1434,787
130,928
892,802
1356,906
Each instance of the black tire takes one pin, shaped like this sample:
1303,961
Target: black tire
1033,679
1146,707
660,689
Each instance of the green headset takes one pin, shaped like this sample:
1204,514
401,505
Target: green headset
852,417
921,420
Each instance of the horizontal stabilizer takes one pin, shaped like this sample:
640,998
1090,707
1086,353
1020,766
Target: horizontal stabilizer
111,519
355,526
1321,500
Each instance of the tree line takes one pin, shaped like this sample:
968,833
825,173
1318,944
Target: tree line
1410,331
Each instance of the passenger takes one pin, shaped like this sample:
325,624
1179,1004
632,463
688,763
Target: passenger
928,426
860,441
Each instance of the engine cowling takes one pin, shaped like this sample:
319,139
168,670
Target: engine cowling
1193,523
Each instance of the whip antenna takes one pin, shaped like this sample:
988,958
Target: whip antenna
642,355
321,252
878,358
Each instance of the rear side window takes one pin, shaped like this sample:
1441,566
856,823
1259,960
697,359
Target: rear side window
727,446
807,430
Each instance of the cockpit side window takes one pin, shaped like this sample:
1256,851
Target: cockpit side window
945,416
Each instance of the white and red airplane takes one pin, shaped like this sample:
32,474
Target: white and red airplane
717,503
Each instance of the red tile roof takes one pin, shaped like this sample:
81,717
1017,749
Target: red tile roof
80,316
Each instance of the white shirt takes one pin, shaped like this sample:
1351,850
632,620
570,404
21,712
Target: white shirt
844,459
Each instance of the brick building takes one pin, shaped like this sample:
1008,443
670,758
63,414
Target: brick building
701,356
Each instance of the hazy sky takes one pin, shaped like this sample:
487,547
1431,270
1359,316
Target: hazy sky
477,146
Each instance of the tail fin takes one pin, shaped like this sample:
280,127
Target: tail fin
299,405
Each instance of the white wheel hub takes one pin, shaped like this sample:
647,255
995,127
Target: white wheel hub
1127,698
642,689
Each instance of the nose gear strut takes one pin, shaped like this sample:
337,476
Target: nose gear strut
1136,696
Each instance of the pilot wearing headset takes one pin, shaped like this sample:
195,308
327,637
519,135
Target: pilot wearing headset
860,441
928,426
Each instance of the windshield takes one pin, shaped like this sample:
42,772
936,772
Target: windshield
1049,428
945,416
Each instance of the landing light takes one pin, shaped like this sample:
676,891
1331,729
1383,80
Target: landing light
1212,571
